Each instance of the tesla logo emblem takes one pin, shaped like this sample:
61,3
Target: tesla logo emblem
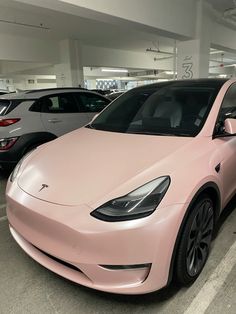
43,187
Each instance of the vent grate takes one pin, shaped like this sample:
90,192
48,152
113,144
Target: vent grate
60,261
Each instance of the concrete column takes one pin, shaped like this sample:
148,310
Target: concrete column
193,55
69,72
92,84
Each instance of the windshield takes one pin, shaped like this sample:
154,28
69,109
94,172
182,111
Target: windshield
173,109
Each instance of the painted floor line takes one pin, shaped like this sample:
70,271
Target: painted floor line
4,218
2,206
213,285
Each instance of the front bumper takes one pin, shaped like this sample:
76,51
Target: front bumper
67,238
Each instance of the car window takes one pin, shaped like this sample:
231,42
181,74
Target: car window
91,102
228,107
6,106
62,103
177,109
3,106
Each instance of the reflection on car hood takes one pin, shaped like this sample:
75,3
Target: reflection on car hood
90,167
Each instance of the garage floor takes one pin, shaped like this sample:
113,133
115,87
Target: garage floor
27,287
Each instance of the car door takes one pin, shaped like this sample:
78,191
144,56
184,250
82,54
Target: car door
91,103
227,145
60,113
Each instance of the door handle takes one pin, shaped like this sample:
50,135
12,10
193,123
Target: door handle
54,120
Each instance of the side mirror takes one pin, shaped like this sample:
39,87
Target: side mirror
230,126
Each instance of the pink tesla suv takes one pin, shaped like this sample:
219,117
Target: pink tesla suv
132,199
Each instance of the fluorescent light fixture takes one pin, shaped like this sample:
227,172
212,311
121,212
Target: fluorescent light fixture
214,52
169,72
115,70
104,79
223,75
230,65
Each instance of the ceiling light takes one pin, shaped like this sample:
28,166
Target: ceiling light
223,75
215,52
115,70
169,72
230,65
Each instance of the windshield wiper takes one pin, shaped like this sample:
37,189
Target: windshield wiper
89,126
158,134
149,133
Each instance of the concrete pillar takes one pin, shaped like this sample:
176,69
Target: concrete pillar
92,84
193,55
69,72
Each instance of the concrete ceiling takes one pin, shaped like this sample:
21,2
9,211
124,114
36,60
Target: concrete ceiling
45,23
222,5
17,18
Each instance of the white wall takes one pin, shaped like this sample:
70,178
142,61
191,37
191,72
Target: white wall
27,82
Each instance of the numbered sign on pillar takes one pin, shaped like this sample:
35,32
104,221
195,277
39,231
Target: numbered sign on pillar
188,60
187,68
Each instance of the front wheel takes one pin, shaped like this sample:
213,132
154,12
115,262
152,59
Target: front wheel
195,241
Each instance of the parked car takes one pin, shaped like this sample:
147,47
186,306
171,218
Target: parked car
102,91
3,91
133,198
31,118
114,95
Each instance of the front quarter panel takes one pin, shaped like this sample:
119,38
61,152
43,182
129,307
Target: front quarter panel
194,171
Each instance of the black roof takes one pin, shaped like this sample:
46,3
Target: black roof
52,89
211,82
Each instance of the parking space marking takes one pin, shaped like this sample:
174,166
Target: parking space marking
3,206
214,283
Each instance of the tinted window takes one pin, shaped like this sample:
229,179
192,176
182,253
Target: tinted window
169,109
227,110
113,96
63,103
36,107
6,106
3,106
91,102
228,107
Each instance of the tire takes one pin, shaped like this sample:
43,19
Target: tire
195,241
6,169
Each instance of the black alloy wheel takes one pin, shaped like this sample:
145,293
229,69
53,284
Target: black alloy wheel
195,241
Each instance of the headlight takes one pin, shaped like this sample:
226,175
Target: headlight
137,204
18,166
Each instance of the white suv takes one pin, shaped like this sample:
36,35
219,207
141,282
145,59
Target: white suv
31,118
3,92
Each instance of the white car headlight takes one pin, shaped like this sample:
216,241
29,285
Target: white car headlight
137,204
17,168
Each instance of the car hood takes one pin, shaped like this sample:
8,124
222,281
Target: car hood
91,167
